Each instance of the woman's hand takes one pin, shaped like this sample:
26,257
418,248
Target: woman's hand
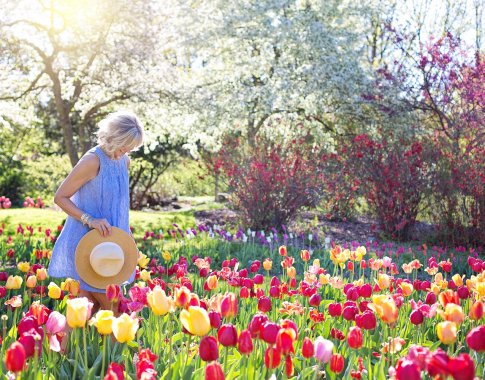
102,225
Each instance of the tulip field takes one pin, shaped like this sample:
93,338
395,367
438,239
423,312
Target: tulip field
214,304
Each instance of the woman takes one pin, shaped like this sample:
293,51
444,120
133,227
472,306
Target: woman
96,195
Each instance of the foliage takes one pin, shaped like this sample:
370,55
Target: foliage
270,182
394,177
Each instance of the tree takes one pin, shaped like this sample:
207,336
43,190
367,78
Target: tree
83,57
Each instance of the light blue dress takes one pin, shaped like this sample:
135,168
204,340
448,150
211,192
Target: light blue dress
105,196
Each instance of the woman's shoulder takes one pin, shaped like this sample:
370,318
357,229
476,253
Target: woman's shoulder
89,161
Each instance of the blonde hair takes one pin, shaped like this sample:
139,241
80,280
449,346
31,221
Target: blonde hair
118,130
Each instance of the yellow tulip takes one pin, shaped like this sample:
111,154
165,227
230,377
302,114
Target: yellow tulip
291,272
457,279
23,266
145,275
71,286
267,264
385,307
406,288
103,320
383,281
446,332
14,282
125,328
143,260
453,313
41,274
195,320
54,291
31,282
166,256
159,302
360,252
78,312
324,278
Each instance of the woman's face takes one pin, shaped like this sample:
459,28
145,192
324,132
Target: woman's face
120,152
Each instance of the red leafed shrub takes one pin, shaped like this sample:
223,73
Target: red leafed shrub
271,182
342,188
394,177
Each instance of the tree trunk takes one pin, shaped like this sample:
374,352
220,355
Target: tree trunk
216,186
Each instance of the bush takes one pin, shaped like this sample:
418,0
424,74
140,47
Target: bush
395,177
271,182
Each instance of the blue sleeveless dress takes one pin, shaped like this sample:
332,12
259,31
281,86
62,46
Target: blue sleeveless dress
105,196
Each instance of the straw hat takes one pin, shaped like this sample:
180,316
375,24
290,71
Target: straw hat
102,261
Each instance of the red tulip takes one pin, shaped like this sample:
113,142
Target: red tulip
285,339
264,304
29,340
462,367
288,323
269,332
245,342
213,371
256,324
274,291
113,293
416,317
407,370
115,372
229,306
208,349
15,357
437,363
355,337
315,300
476,310
289,367
335,309
366,321
272,357
244,293
275,281
27,323
350,312
337,363
3,291
215,319
307,349
463,292
430,298
3,276
365,291
476,339
227,335
258,279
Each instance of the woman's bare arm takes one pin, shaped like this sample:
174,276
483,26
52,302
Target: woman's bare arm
86,169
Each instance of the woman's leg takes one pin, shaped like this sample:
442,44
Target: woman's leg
105,304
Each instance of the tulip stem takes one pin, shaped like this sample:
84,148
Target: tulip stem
187,357
226,353
103,365
85,349
75,333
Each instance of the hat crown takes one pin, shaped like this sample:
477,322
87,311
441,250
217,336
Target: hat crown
107,259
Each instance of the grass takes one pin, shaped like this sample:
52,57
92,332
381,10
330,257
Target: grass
139,220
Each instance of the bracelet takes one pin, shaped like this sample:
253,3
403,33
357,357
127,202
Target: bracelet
86,219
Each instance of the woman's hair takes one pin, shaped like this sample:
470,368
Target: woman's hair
118,130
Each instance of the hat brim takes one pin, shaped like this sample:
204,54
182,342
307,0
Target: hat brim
91,240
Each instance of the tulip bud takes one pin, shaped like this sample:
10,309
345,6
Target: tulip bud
227,335
365,291
337,363
256,324
15,357
244,293
315,300
245,342
274,291
229,306
476,311
446,332
463,292
208,349
269,332
113,292
307,348
430,298
267,264
355,338
264,304
475,339
366,320
215,319
416,317
213,371
258,279
335,309
323,349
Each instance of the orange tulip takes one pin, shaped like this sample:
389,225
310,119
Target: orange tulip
212,282
385,307
291,271
383,281
305,255
476,311
446,332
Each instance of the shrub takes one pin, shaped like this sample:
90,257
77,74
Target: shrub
395,177
271,182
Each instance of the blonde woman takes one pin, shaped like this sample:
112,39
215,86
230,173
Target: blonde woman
96,195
